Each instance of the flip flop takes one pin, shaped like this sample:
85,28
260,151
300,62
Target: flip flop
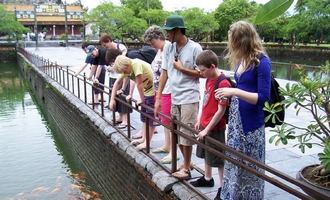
182,174
122,126
95,103
159,150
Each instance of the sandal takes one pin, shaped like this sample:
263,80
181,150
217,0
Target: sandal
182,174
159,150
95,103
122,126
168,159
191,167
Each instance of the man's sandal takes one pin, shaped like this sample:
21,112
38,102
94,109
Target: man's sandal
182,174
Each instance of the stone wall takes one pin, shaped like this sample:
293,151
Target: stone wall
117,168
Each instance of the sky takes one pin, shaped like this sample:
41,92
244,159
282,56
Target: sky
169,5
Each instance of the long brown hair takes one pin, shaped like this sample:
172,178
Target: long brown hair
244,44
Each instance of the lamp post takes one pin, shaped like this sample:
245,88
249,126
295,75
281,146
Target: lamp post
66,24
35,26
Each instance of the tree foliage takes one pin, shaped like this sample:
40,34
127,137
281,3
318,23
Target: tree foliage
9,26
199,24
140,5
231,11
117,21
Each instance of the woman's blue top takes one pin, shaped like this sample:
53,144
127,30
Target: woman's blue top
257,80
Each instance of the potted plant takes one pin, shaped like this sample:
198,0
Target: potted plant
312,93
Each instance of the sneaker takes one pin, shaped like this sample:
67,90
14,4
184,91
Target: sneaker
202,182
218,194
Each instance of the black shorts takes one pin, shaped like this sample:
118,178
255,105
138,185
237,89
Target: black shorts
211,159
101,80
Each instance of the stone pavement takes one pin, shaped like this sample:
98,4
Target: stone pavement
285,158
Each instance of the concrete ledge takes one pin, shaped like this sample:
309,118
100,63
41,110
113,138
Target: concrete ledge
111,142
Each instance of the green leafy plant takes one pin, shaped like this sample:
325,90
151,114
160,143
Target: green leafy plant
310,93
271,10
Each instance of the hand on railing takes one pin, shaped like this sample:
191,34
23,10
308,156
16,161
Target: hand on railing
128,98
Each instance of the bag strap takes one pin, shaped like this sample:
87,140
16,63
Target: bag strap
219,79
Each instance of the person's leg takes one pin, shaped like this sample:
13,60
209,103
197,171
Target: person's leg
143,145
208,171
186,151
220,171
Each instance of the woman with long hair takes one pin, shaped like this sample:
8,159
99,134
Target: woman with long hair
246,130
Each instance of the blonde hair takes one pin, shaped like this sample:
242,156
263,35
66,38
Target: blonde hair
244,44
121,62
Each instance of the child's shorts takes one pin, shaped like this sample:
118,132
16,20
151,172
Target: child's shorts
211,159
149,101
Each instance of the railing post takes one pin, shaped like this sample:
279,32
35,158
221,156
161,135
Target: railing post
290,71
129,122
72,79
78,86
67,78
102,104
147,134
93,94
55,68
85,90
59,75
174,138
63,76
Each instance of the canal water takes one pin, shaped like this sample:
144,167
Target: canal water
35,163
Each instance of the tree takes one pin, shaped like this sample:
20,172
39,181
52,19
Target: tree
117,21
274,31
199,24
139,5
154,16
230,11
9,26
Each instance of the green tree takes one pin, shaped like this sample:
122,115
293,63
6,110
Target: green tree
139,5
199,24
117,21
9,26
154,16
230,11
316,16
274,31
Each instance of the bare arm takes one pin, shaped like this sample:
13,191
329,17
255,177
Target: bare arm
249,97
92,72
215,120
81,69
98,71
139,85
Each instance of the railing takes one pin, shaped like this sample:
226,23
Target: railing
284,70
62,75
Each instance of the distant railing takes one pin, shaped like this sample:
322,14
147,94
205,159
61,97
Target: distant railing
62,74
284,70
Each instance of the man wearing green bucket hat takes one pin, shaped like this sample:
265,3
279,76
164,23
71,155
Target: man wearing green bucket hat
179,61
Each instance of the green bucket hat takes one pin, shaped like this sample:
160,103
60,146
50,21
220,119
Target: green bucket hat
173,21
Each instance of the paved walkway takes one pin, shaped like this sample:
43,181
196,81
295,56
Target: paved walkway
285,158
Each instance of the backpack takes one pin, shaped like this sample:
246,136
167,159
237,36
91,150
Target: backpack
275,97
146,53
216,86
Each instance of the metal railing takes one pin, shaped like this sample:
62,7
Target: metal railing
62,75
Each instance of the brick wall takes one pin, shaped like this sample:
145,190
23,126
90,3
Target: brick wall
119,171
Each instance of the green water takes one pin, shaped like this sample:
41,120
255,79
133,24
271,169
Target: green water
35,163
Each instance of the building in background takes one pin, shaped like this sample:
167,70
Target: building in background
50,16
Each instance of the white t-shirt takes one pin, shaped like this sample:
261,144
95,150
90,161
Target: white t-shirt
156,66
123,49
184,88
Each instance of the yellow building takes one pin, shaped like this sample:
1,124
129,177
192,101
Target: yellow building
50,16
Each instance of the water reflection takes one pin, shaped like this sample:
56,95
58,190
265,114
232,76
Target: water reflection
35,163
